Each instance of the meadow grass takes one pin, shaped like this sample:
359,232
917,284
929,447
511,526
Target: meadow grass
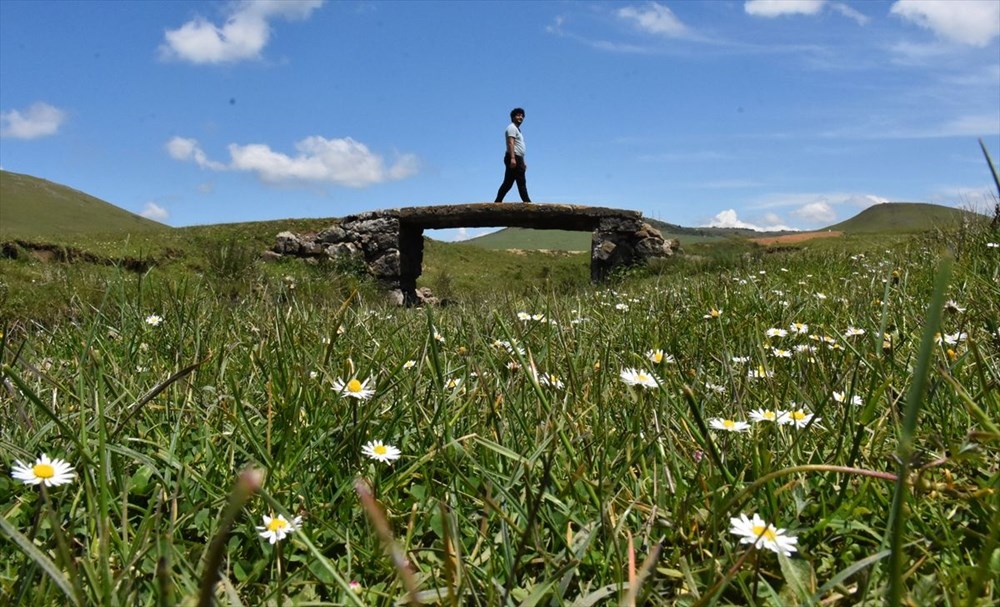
530,473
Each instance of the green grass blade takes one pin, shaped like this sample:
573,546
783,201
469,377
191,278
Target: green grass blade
40,559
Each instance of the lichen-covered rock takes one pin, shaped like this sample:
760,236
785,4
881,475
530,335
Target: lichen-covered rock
287,244
332,235
386,266
343,249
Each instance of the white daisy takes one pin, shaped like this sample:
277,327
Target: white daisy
657,356
379,451
759,373
952,306
761,534
633,377
841,397
798,418
853,332
276,528
409,364
728,425
715,388
45,471
774,332
766,415
154,320
713,313
799,327
354,388
552,381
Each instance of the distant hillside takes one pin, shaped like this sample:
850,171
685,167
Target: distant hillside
895,217
33,208
565,240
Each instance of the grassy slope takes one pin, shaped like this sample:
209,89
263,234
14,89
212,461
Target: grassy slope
565,240
35,208
901,217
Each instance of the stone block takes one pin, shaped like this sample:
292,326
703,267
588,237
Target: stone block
287,244
386,266
331,235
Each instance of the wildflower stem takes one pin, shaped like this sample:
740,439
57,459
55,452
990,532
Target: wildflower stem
247,484
713,452
384,532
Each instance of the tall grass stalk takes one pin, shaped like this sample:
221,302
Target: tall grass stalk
905,449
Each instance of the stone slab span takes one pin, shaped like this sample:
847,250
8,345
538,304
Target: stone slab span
391,243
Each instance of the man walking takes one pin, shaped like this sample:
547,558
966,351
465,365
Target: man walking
513,159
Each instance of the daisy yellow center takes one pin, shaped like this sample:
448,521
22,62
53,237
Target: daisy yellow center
766,532
798,415
769,415
728,423
658,357
43,471
354,386
276,524
379,450
642,377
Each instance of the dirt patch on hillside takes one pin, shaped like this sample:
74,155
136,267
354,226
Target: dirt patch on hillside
52,253
795,238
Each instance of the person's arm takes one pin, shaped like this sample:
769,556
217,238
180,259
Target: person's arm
510,152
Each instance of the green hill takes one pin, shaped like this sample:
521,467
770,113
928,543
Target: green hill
35,208
898,217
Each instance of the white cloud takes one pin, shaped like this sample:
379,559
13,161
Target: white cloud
968,125
154,211
181,148
729,219
39,120
244,34
814,200
341,161
655,19
859,17
971,22
815,212
770,9
777,8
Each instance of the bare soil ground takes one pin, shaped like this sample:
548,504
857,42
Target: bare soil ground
794,238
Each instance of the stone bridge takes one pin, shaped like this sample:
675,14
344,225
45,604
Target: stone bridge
391,241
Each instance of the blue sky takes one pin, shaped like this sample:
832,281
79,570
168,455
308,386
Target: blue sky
794,113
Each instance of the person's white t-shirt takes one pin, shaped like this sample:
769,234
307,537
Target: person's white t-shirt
513,131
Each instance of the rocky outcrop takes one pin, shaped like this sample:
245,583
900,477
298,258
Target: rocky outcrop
391,244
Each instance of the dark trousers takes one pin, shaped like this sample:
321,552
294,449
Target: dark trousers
512,176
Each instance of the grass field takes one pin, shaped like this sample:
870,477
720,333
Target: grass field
558,443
